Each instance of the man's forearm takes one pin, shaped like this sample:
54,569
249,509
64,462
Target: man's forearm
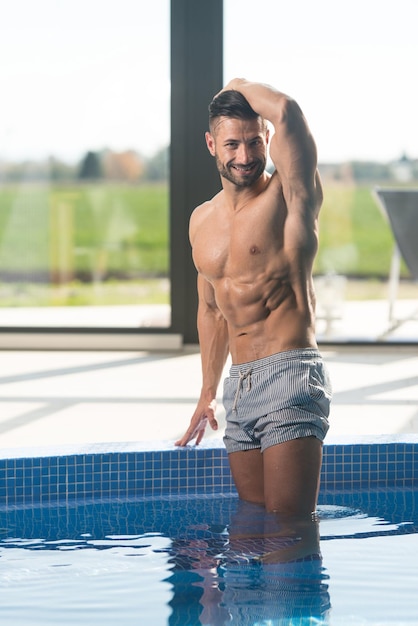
266,100
213,340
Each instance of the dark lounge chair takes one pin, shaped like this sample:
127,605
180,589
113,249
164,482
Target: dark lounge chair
400,207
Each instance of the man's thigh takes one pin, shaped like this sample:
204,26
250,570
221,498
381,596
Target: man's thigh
248,474
291,476
285,477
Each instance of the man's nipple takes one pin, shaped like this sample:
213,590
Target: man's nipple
254,250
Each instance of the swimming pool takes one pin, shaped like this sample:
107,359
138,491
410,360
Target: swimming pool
147,537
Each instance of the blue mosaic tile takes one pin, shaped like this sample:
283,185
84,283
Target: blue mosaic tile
48,480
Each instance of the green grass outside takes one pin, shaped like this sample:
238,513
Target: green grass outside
109,243
354,237
86,229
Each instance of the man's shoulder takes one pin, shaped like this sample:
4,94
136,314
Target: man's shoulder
201,214
202,209
206,208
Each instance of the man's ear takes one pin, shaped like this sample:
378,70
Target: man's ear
210,142
267,135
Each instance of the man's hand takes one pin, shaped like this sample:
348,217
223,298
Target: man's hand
204,413
234,84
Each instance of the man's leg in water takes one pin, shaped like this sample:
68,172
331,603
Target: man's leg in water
285,477
291,476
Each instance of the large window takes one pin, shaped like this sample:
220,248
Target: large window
84,198
351,69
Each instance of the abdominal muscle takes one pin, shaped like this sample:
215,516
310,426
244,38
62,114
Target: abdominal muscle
259,326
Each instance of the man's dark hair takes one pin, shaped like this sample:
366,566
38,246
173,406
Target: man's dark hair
231,103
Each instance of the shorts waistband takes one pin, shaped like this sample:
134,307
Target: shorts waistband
237,369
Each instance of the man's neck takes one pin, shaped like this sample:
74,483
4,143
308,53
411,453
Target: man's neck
237,197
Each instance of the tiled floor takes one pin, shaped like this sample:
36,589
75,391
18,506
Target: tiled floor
58,398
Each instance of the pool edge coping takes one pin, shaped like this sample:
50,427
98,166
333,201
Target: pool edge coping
73,449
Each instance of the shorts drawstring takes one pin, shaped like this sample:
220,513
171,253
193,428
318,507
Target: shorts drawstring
242,376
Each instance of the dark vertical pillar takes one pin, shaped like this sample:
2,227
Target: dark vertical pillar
196,75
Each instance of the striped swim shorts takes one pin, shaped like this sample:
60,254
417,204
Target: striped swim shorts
275,399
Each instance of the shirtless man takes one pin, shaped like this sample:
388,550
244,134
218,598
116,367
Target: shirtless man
254,245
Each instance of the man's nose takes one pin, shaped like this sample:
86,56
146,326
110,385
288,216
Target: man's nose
243,155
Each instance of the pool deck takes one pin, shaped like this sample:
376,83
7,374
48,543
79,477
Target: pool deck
58,399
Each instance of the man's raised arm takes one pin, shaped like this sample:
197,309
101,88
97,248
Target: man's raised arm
292,148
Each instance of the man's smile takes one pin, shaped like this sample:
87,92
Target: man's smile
243,168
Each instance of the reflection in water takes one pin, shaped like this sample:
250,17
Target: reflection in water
259,570
228,562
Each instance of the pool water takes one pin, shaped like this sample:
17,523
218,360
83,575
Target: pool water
189,561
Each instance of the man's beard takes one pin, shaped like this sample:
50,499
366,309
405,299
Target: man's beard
227,171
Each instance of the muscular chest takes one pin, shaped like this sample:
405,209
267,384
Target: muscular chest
239,245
